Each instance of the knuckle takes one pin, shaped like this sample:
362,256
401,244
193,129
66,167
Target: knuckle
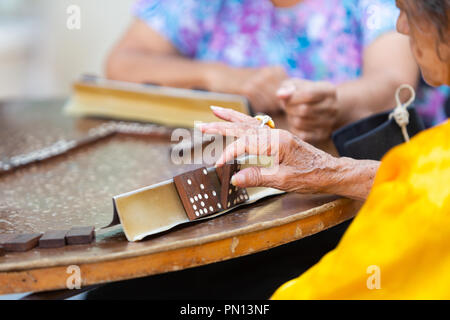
302,135
254,176
287,141
307,94
303,110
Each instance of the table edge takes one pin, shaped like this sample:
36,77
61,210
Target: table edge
227,246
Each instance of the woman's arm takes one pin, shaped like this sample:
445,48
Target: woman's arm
353,178
316,109
145,56
387,64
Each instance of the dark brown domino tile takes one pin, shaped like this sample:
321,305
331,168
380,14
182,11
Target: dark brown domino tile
214,179
238,196
197,193
230,195
219,172
22,242
5,237
80,235
53,239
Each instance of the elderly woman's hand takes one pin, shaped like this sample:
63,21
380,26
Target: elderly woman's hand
298,167
311,108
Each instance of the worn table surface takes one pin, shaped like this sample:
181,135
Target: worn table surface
77,188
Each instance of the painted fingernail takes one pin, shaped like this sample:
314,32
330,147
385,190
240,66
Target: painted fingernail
237,180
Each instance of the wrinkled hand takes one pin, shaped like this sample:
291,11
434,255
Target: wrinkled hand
301,167
259,85
311,108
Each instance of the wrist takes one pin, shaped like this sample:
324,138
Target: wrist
351,178
210,73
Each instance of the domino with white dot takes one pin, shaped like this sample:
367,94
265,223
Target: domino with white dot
230,195
197,193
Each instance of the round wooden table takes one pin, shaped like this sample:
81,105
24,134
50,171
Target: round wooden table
77,188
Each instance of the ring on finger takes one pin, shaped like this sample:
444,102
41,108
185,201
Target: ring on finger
265,120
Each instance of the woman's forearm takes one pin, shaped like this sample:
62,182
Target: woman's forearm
352,178
384,70
363,97
166,70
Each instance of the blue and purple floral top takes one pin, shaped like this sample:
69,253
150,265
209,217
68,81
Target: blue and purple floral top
314,40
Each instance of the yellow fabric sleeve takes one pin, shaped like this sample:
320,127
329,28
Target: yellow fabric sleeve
398,246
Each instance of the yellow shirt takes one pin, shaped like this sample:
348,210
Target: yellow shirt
398,246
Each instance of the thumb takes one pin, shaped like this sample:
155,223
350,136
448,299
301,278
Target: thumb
253,177
284,93
286,90
310,92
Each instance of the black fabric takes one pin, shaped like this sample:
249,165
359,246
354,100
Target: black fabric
447,107
372,137
255,276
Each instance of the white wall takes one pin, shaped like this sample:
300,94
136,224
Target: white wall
41,57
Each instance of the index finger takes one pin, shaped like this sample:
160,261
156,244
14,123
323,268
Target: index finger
233,116
227,129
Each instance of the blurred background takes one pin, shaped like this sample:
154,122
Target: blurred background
40,56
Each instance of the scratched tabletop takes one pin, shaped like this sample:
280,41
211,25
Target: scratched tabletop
76,189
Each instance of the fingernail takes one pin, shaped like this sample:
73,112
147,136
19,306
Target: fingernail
237,180
284,91
216,108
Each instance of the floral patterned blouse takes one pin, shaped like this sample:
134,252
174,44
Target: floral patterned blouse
314,40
